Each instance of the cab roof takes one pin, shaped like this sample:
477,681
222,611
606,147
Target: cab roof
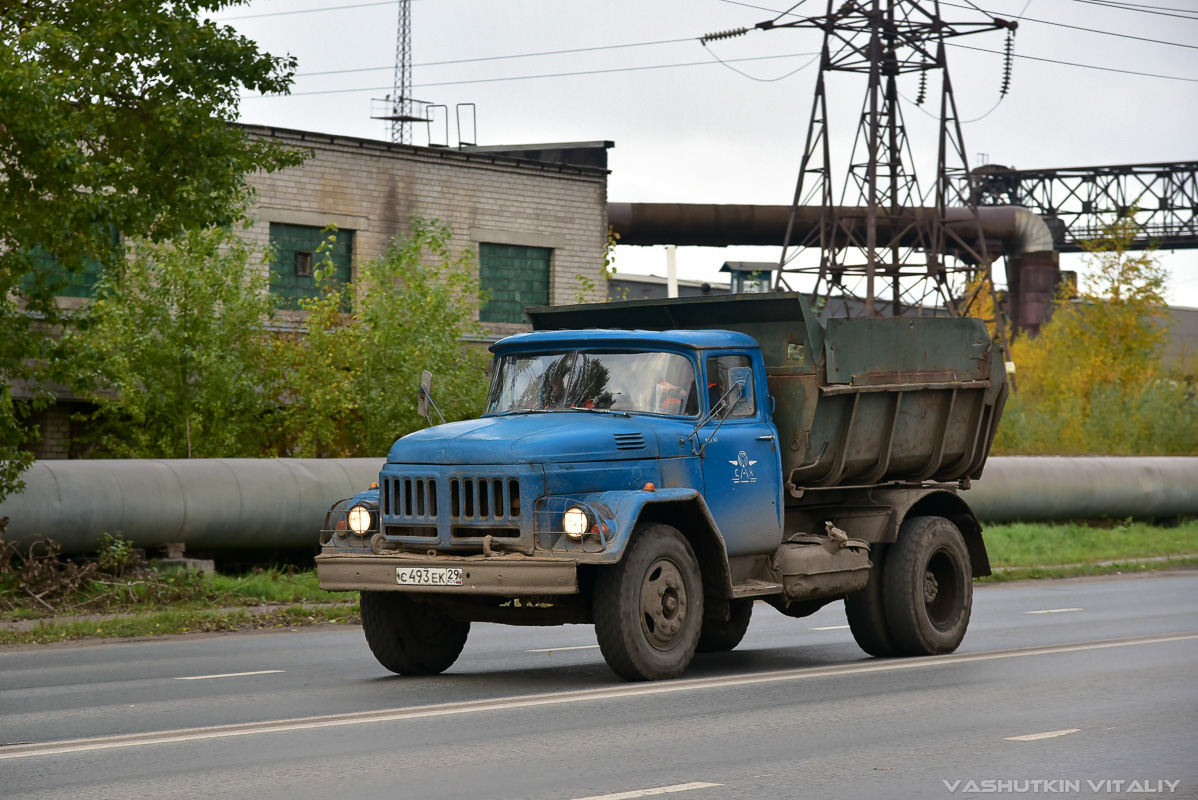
606,337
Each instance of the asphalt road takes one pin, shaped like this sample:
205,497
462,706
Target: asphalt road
1076,688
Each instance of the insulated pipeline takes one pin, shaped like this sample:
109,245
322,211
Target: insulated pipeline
238,504
206,504
1040,488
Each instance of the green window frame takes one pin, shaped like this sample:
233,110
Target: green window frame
516,277
294,259
77,284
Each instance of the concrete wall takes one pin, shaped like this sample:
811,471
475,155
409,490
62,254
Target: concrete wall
373,188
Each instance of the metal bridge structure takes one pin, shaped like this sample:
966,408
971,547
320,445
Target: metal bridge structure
1077,202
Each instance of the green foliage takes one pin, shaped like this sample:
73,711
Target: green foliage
116,116
116,556
418,302
1027,544
351,380
1093,380
584,286
318,370
173,350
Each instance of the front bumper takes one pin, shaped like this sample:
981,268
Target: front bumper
509,575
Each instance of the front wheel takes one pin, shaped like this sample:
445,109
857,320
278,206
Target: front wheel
648,608
411,638
928,587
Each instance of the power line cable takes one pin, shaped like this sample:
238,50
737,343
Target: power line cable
1075,64
973,7
754,77
1020,55
307,10
1163,11
531,77
499,58
1081,28
705,64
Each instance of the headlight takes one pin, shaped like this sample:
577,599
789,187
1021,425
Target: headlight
575,522
360,519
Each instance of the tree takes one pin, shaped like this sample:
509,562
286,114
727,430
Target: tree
351,379
174,349
318,367
1093,380
114,116
419,305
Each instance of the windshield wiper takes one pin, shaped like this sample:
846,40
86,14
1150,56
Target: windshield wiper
601,411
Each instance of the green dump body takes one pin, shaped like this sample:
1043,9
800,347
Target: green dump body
858,403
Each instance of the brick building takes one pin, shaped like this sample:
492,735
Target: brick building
535,215
536,225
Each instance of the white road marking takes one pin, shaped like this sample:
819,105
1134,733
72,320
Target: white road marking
832,628
1052,611
678,787
558,698
557,649
1031,737
230,675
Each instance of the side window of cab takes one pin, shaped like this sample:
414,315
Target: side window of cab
719,380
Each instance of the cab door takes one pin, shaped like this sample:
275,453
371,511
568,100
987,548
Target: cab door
742,468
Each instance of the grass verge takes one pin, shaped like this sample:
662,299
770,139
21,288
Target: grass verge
177,621
1081,570
1072,548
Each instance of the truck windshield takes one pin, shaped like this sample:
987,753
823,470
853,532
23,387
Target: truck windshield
650,383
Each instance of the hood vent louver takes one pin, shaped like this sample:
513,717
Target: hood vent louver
630,441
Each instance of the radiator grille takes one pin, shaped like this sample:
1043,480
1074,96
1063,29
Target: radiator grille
484,498
410,497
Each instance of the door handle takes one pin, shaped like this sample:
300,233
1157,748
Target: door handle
769,437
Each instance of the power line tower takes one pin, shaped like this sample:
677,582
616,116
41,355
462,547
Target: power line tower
882,235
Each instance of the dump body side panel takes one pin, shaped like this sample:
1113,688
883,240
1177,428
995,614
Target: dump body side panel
865,401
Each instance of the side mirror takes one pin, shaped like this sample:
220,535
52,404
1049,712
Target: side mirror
426,389
742,390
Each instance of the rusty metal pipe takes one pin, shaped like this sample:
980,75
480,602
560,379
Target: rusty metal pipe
1008,229
238,504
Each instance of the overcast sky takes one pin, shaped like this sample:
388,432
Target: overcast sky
690,129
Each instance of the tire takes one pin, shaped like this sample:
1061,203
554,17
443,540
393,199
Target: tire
928,587
722,635
411,638
648,608
866,610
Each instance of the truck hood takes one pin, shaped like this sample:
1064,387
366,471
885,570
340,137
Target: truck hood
527,438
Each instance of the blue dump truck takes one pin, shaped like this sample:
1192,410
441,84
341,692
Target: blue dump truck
654,468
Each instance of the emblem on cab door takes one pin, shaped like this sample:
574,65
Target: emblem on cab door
744,469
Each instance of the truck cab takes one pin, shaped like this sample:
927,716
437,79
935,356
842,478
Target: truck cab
643,479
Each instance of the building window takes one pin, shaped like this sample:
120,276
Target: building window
295,259
516,278
76,284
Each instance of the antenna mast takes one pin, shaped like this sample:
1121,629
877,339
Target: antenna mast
401,97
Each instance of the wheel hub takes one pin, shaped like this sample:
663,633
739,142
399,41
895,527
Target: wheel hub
663,604
930,587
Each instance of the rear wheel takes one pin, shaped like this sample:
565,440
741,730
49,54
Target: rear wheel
722,635
411,638
648,608
928,587
866,610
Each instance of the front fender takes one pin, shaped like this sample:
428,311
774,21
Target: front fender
621,511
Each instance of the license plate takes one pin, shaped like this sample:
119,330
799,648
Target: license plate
428,576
